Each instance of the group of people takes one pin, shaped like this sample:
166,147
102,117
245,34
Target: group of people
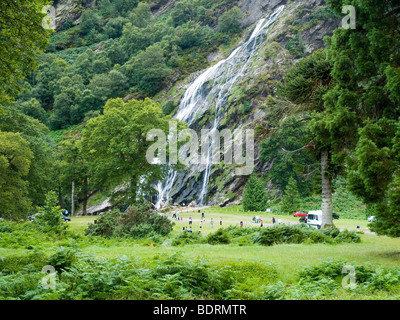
203,219
258,219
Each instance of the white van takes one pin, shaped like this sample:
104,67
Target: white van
314,219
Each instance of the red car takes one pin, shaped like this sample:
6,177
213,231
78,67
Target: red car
299,214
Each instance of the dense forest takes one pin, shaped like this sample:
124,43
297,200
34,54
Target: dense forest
77,102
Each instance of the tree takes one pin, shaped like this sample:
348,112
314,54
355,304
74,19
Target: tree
183,12
135,39
116,145
149,70
291,198
254,196
119,83
34,109
74,174
288,151
304,88
40,178
114,27
22,39
191,35
366,70
15,160
230,21
49,219
141,16
49,72
90,21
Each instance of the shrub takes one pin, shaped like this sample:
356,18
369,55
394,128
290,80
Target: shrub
23,235
15,263
187,238
49,219
63,258
137,222
221,236
301,233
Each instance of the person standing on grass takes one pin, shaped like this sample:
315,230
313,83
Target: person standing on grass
212,223
273,220
190,220
262,224
220,221
202,215
200,225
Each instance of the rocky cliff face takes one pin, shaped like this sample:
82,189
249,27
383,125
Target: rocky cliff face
69,10
298,31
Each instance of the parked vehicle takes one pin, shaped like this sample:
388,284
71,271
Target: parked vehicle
303,219
335,216
314,219
65,218
371,219
299,214
64,215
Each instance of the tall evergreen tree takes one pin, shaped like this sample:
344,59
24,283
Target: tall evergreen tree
303,89
254,196
291,198
366,71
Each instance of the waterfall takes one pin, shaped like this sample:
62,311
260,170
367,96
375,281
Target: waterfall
199,98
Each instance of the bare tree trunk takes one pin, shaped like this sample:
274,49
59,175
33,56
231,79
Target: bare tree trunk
85,197
327,205
60,201
73,189
73,198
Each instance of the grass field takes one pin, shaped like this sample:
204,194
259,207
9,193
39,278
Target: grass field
289,258
265,271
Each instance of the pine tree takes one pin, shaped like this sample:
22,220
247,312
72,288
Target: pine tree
366,72
254,196
291,198
304,88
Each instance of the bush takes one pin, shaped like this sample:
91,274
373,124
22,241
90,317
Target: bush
186,237
24,235
137,222
301,233
63,258
49,218
15,263
219,237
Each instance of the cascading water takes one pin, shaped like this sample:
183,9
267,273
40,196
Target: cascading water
199,97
